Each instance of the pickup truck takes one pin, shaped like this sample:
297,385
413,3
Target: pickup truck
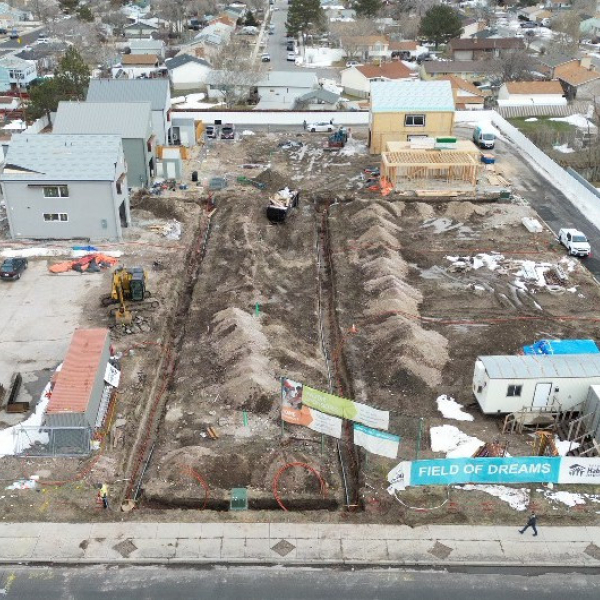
575,242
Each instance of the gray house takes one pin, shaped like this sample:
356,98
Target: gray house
65,186
132,121
155,91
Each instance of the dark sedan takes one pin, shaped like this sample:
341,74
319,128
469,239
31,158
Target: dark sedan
12,268
228,132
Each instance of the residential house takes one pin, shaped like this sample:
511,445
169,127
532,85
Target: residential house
318,99
579,79
139,65
132,121
20,72
65,187
547,64
528,93
142,28
471,26
466,95
341,14
480,49
215,33
366,47
155,91
590,28
471,70
224,20
10,107
356,81
404,50
11,17
147,46
45,56
234,12
4,80
404,110
535,14
279,90
187,72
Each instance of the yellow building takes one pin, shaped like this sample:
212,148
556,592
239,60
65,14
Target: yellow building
405,110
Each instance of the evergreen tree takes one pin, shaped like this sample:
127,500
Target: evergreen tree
440,24
250,21
367,8
305,15
73,75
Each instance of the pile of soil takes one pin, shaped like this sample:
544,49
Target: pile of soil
273,180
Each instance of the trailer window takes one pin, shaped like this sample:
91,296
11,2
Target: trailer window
514,391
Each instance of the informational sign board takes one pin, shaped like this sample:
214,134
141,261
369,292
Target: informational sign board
375,441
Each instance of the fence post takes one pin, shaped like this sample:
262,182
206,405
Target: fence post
419,438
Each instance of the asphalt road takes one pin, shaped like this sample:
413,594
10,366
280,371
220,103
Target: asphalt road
549,202
276,46
257,583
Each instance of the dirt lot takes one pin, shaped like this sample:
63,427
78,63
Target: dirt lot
418,290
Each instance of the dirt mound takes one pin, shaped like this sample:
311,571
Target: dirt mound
378,235
463,211
273,180
425,211
242,349
390,263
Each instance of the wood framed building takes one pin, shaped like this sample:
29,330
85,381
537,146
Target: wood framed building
404,162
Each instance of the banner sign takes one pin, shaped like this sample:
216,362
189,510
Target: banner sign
375,441
524,469
346,409
294,411
112,376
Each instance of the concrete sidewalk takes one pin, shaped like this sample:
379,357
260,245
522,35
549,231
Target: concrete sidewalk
296,544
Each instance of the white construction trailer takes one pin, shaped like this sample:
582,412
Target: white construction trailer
506,384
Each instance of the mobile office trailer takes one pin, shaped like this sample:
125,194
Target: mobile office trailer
505,384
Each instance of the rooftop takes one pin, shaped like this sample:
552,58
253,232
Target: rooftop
129,120
155,91
319,94
64,157
75,381
576,75
404,96
390,70
487,44
478,67
534,87
184,59
531,367
146,60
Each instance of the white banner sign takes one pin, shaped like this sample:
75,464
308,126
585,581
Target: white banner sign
579,470
112,376
375,441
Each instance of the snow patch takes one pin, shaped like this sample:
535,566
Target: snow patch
452,409
579,121
517,498
564,148
452,441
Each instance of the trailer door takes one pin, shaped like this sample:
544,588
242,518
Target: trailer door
542,394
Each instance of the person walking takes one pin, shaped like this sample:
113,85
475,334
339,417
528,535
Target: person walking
531,522
103,493
304,124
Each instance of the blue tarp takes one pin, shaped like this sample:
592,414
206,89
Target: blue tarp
562,347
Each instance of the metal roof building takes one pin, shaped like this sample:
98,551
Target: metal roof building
408,96
155,91
503,384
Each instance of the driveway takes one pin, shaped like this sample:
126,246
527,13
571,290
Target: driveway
39,314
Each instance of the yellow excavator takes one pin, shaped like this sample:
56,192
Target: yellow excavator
128,285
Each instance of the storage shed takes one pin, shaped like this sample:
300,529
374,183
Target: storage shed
79,385
505,384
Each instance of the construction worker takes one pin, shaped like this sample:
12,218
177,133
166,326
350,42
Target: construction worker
103,494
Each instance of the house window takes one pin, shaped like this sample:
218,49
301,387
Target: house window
414,120
514,391
56,217
56,191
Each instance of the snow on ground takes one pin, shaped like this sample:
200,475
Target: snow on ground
8,436
565,446
193,101
248,132
531,119
452,409
516,498
452,441
579,121
568,498
352,148
564,148
49,252
322,57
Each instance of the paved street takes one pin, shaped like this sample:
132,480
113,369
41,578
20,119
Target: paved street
258,583
276,46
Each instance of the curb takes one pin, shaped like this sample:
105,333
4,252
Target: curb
322,563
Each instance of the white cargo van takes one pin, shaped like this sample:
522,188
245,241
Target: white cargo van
484,138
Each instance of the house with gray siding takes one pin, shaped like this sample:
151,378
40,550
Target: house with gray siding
65,187
155,91
132,121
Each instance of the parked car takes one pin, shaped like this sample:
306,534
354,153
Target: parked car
12,268
291,56
212,131
320,127
353,63
3,31
228,132
575,242
527,25
265,57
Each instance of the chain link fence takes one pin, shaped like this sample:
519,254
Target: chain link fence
52,441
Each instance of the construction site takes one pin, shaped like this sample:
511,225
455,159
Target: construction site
383,296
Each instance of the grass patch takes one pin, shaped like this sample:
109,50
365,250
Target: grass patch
527,127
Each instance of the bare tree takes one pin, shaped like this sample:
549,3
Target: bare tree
566,26
349,35
236,73
173,11
514,66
